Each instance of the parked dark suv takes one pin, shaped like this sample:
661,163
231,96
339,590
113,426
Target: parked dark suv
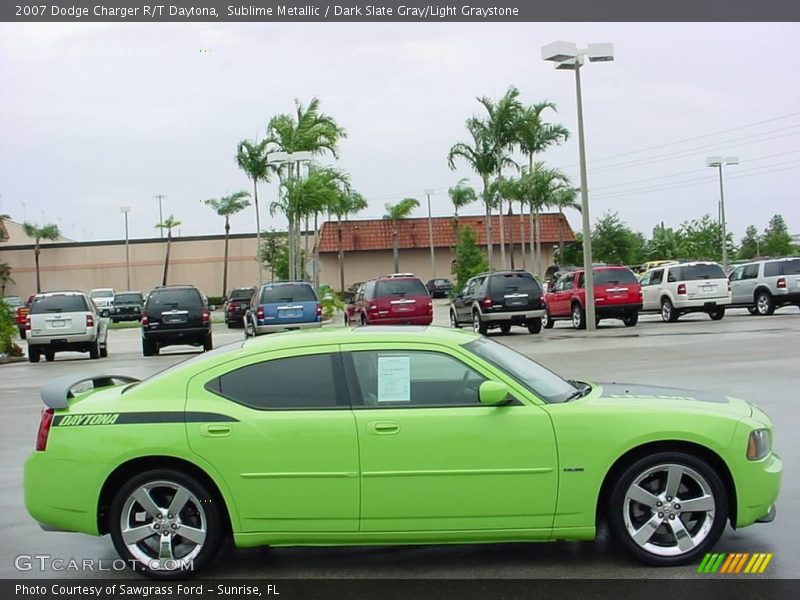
127,306
499,299
173,315
236,304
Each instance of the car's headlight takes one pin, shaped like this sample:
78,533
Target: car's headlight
758,444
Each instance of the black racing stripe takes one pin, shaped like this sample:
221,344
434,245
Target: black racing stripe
138,418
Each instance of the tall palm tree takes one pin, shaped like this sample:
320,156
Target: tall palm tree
480,157
547,184
251,156
346,203
169,223
45,232
308,129
564,197
5,278
461,194
534,136
225,207
398,212
500,125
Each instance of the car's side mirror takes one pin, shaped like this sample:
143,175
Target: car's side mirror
492,393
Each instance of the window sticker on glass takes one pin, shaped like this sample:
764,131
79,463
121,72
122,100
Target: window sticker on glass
394,379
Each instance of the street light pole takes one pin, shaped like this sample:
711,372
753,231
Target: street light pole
718,162
430,234
125,210
160,197
568,56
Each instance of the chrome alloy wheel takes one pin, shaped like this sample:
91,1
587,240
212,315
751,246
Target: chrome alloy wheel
666,310
163,525
763,304
669,509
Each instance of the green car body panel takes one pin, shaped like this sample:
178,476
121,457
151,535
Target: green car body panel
524,471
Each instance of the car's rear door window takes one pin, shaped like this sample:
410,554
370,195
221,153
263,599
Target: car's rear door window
128,298
298,382
696,272
400,287
791,267
614,277
515,283
58,303
168,299
290,292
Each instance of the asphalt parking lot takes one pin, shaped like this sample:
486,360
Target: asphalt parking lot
755,358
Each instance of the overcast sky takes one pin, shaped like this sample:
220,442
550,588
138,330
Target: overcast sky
96,116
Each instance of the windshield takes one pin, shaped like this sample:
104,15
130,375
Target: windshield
544,383
59,303
400,287
288,292
128,298
102,294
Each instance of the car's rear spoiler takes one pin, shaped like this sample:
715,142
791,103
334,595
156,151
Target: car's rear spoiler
57,392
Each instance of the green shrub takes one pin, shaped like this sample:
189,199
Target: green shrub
8,330
330,301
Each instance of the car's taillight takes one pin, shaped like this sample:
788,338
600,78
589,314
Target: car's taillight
44,429
641,295
430,308
373,307
230,308
28,323
89,321
260,312
681,288
205,316
319,310
487,302
145,320
782,283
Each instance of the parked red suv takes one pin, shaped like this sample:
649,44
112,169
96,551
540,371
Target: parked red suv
617,295
399,299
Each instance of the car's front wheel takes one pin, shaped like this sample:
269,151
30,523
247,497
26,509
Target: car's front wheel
668,508
166,524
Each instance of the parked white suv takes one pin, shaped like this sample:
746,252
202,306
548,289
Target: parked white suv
764,285
103,299
65,322
674,290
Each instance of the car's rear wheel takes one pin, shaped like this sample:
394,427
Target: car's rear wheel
547,320
208,344
765,305
94,350
147,348
668,312
166,524
33,354
717,313
21,333
534,325
631,319
668,508
453,319
478,325
578,317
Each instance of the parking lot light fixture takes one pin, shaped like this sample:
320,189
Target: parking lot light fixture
569,57
125,210
718,162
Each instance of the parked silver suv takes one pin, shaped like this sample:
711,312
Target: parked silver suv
65,321
764,285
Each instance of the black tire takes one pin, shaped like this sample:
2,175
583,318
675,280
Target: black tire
208,343
147,348
668,312
33,354
21,333
631,319
49,355
94,351
363,320
578,316
717,314
547,321
765,305
752,310
505,328
626,515
454,320
104,350
229,324
478,324
534,325
202,510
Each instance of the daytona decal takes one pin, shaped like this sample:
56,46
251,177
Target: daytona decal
138,418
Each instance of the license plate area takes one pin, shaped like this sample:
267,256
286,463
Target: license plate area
175,316
290,312
57,324
401,306
516,299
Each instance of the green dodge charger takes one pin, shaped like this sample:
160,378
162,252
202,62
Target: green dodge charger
390,435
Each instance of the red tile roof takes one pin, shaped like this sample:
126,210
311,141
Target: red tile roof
376,234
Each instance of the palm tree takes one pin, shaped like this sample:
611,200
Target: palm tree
225,207
533,137
564,197
306,130
167,224
45,232
395,213
480,157
461,194
346,203
3,231
251,156
5,278
500,126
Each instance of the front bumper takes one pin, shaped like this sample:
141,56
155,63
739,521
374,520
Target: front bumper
511,315
272,328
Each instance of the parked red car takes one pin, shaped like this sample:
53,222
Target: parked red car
617,295
21,316
399,299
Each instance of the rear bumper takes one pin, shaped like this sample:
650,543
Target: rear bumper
783,296
426,320
513,315
617,310
700,304
273,327
61,341
177,336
